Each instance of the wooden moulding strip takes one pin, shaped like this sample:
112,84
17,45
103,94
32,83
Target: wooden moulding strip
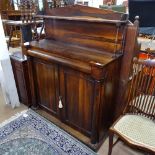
86,19
81,66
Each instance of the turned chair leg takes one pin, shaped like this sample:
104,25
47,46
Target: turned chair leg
111,135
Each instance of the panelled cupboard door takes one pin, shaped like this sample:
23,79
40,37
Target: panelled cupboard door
47,85
76,90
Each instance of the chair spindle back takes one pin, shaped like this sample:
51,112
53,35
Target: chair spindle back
141,95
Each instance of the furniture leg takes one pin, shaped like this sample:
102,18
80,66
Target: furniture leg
111,135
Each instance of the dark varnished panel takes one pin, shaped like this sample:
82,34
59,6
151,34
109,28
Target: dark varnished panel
131,50
88,99
46,80
92,35
109,91
78,65
78,10
77,53
21,86
106,84
77,93
20,70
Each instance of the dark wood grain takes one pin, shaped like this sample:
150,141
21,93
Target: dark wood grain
86,55
98,36
78,99
131,51
20,70
32,83
78,66
81,91
83,19
46,85
78,10
86,26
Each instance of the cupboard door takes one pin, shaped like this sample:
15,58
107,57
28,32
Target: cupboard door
46,84
76,90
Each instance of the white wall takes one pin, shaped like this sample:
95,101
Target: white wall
92,3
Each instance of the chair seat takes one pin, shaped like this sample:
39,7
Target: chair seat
138,129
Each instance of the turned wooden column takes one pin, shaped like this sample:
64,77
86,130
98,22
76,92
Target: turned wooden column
97,74
32,83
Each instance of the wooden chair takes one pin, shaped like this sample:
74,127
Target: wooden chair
136,127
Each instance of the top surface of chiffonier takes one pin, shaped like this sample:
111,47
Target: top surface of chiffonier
81,35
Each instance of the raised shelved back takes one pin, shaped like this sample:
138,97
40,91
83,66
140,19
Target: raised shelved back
84,26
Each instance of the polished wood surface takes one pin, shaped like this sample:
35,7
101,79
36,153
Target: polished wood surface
83,26
20,71
46,85
91,35
86,55
74,72
131,50
87,28
82,18
81,93
78,103
78,10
